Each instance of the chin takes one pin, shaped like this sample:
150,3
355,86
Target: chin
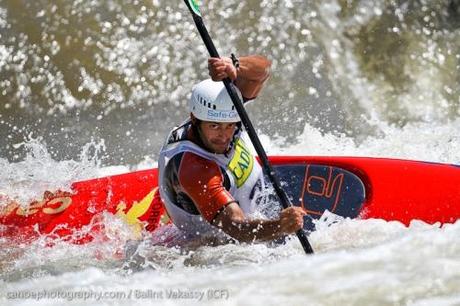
220,150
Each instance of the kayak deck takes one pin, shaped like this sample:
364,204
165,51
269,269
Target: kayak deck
354,187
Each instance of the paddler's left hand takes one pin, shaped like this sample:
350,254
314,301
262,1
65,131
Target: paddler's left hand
221,68
291,219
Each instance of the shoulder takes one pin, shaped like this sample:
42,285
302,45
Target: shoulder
203,181
194,165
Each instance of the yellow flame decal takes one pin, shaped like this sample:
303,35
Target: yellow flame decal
137,210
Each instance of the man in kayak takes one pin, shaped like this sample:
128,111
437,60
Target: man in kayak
207,176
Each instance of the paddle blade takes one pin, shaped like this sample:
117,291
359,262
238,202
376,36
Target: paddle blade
193,7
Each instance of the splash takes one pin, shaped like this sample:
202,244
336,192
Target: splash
368,78
427,141
39,172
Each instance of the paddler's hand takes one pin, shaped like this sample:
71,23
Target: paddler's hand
221,68
291,219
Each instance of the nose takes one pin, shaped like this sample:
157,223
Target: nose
222,132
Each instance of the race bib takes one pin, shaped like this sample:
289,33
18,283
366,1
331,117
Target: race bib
241,164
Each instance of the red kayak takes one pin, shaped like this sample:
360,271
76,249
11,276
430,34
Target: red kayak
133,197
354,187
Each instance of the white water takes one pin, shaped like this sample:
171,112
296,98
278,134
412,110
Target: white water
335,65
357,262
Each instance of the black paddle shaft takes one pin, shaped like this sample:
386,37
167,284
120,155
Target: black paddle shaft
268,169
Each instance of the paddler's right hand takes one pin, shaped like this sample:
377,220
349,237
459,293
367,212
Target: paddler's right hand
291,219
221,68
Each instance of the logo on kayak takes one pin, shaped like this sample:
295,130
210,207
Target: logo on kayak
46,206
325,187
148,213
137,210
241,164
194,6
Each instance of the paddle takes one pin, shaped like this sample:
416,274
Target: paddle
195,10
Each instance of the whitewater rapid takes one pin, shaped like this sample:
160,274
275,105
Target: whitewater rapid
90,89
356,262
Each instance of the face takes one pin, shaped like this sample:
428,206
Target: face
217,136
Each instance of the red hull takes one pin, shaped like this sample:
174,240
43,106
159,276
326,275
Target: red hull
129,196
397,190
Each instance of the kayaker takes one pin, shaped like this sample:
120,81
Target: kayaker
209,180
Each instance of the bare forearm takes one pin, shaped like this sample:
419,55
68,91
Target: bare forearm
254,68
253,72
252,230
234,223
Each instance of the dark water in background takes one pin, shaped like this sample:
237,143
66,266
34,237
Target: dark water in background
76,71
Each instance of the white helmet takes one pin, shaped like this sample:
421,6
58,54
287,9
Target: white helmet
210,101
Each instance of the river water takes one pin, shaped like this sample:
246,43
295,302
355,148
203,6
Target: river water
89,88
